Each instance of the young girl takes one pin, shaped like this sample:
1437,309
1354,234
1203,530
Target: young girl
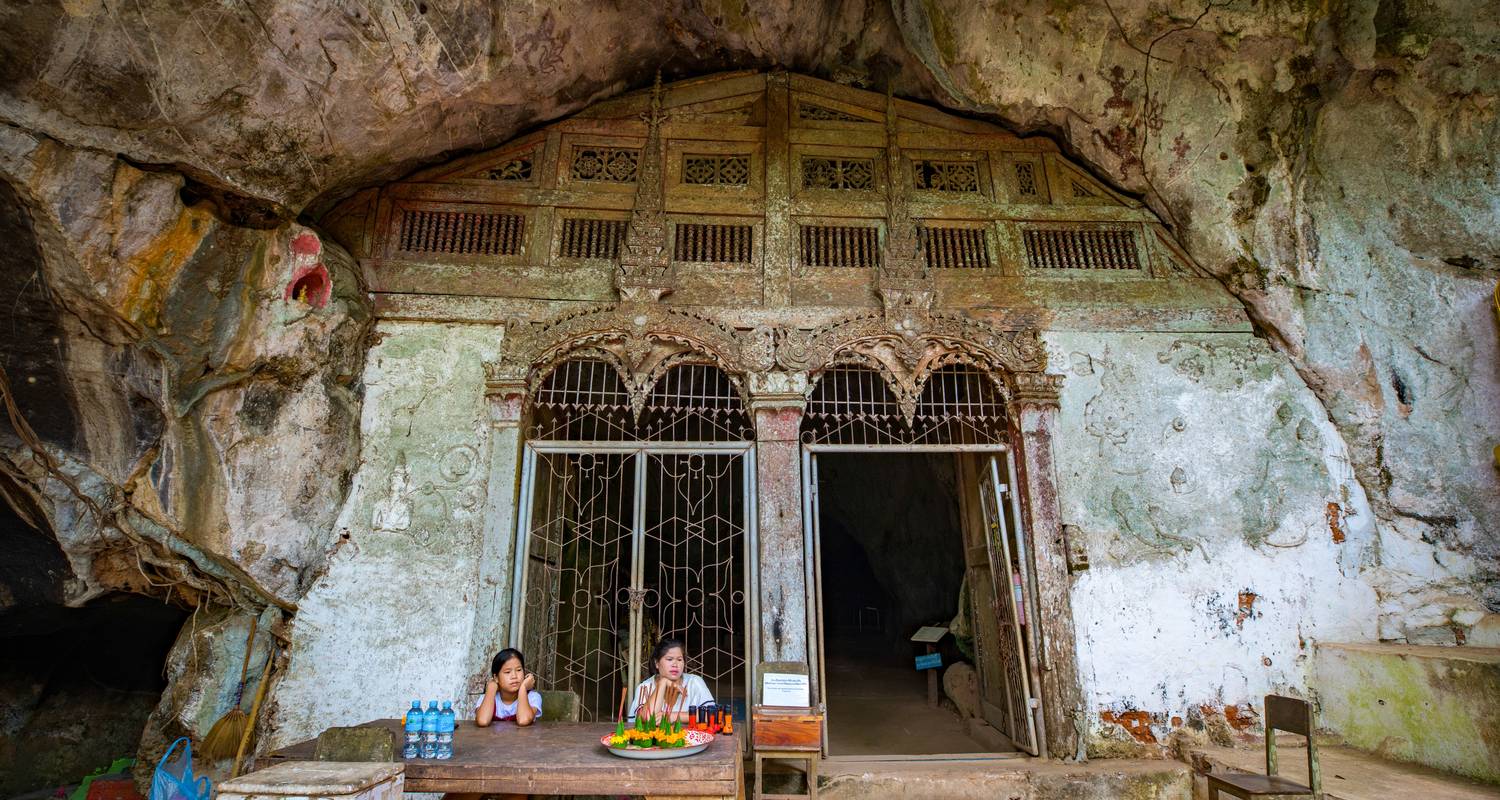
670,691
510,693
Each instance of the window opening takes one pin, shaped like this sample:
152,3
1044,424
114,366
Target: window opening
838,173
461,232
591,238
1081,248
946,176
954,248
840,246
718,244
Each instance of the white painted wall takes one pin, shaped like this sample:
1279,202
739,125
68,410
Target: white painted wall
1197,467
390,622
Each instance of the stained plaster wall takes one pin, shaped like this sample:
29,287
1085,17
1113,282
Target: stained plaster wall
392,619
1224,527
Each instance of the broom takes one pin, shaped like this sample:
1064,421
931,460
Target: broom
224,737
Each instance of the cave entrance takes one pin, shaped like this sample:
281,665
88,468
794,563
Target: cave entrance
637,524
915,521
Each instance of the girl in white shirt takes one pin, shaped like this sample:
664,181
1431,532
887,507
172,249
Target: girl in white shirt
670,690
510,693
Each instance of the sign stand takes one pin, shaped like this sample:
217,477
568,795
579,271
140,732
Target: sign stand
930,635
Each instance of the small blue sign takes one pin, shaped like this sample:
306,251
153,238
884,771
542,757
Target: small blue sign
930,661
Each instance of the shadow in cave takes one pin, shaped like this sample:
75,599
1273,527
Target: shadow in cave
891,551
76,684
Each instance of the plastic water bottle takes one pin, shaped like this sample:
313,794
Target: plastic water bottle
430,730
413,746
445,731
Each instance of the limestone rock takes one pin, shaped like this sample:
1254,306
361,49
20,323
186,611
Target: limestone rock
961,685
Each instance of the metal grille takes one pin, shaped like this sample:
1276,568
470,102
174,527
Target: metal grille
954,248
694,558
946,176
1080,248
578,568
716,170
461,232
719,244
1006,589
588,400
591,238
838,173
822,114
608,164
1026,178
624,546
855,405
840,246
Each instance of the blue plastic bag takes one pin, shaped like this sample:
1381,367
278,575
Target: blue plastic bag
174,777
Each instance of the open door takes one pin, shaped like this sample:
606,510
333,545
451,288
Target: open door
997,577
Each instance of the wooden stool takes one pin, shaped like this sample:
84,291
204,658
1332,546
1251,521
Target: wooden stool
810,756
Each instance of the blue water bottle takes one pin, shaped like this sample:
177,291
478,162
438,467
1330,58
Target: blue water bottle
445,731
412,748
430,730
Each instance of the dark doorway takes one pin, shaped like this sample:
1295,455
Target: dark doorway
891,549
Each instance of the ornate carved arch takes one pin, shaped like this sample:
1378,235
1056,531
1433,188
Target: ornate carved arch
642,340
907,351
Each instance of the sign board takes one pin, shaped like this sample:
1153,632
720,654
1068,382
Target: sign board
784,689
930,661
929,634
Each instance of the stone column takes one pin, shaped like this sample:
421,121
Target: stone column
496,555
1035,396
777,401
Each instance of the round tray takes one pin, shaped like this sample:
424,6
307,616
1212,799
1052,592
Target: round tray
696,742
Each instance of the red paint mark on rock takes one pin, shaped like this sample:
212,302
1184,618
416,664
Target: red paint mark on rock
1246,609
1136,723
307,244
310,285
1335,524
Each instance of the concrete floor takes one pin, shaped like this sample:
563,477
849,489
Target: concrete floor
877,704
1348,774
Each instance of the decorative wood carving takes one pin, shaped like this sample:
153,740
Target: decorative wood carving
645,271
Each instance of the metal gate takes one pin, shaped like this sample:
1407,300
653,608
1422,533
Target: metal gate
854,408
1008,699
643,529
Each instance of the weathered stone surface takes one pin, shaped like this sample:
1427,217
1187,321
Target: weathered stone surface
961,685
391,618
1212,559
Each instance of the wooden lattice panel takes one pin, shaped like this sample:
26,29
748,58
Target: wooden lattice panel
954,247
714,244
460,232
840,246
1081,248
946,176
584,237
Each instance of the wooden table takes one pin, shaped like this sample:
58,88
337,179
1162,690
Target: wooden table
552,758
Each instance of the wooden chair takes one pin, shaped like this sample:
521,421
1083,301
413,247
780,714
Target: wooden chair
1285,714
560,705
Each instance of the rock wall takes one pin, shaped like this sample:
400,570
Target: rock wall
1334,165
186,394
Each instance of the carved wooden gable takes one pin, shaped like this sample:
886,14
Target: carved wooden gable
752,190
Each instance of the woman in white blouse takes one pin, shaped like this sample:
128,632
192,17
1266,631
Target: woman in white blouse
670,690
